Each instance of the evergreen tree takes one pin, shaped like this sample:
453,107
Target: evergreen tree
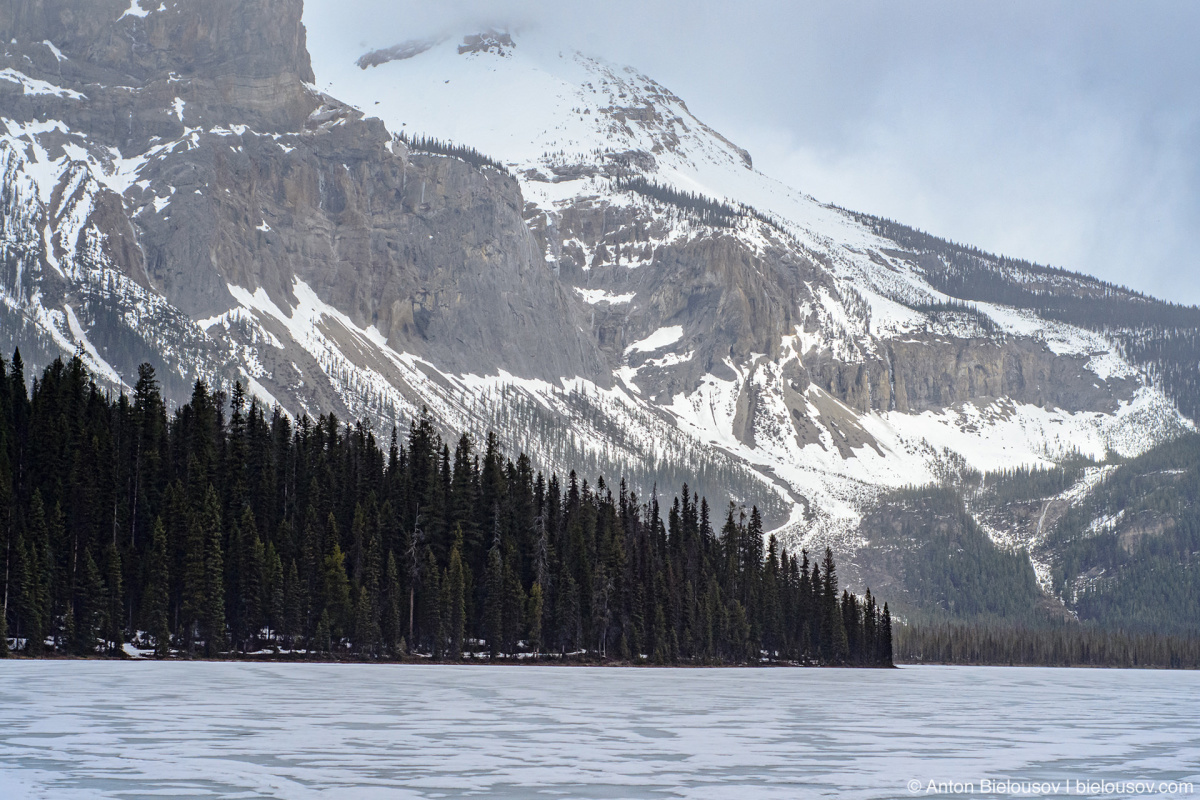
212,612
336,593
32,579
3,632
156,598
456,593
225,527
113,599
274,591
514,607
534,619
834,644
391,627
89,605
493,609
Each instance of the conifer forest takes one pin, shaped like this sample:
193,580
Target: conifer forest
223,528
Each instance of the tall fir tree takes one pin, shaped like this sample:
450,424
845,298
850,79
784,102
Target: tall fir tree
156,598
456,599
212,614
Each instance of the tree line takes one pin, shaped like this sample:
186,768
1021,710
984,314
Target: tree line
1048,646
427,144
225,527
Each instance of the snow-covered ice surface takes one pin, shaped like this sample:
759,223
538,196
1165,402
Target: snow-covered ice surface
112,730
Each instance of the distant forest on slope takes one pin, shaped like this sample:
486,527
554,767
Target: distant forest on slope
221,529
1121,547
1162,337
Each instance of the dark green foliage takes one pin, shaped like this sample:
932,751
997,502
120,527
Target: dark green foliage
1139,571
425,144
156,598
705,210
944,564
1025,483
955,308
1057,646
89,605
224,528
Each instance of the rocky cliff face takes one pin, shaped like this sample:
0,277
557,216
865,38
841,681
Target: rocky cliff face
623,293
227,59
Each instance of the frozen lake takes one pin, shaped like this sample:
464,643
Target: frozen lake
74,729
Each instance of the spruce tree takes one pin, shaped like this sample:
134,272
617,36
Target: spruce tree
391,623
534,618
274,592
89,605
24,580
212,616
113,599
432,630
292,620
456,599
336,593
493,603
886,629
514,606
156,598
366,628
834,644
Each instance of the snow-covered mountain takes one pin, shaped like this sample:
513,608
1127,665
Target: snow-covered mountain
525,240
814,398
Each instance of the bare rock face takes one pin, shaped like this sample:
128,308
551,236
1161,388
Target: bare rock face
238,173
228,59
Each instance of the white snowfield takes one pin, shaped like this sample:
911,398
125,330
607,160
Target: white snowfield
77,729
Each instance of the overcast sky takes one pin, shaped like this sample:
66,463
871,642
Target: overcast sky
1063,132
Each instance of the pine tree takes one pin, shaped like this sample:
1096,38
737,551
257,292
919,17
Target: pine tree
336,593
28,580
493,608
514,607
323,637
432,628
391,627
212,615
292,606
835,647
366,629
274,592
89,604
194,582
534,618
252,585
456,594
885,656
156,598
113,599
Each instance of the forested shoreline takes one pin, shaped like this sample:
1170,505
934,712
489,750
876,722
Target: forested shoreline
997,644
225,528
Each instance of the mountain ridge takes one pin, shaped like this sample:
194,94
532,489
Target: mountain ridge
627,290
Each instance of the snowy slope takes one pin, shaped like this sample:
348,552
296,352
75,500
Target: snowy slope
781,404
554,118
